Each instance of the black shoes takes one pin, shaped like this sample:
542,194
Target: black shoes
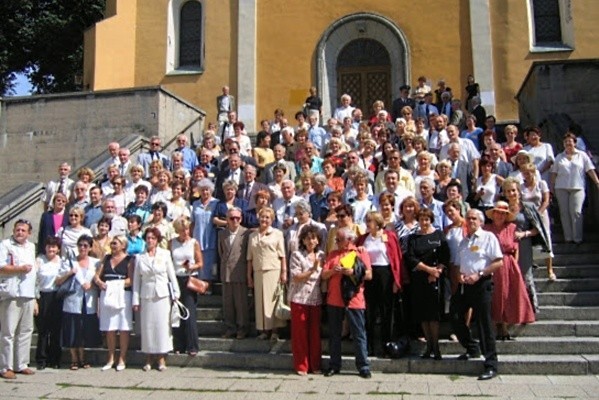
366,374
330,372
488,374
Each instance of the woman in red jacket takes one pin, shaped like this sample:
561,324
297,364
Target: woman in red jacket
385,255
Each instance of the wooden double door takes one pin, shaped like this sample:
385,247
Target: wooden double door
365,85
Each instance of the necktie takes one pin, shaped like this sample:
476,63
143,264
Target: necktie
287,211
248,192
61,187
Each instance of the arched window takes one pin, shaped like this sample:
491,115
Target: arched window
190,35
185,37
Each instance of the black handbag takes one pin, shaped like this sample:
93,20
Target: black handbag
67,287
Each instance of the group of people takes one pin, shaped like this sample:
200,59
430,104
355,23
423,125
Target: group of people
386,227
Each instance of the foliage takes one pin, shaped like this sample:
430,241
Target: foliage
43,39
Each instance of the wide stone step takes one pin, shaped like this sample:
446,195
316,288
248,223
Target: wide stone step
569,299
585,271
575,259
571,248
568,313
567,285
542,364
558,328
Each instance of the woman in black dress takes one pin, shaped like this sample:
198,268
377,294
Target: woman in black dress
427,258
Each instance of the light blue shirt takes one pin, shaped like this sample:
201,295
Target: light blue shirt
317,135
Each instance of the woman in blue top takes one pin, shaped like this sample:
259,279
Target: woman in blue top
202,227
472,132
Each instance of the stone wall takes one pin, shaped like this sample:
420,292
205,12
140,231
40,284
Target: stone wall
37,133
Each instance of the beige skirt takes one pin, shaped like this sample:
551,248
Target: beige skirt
265,285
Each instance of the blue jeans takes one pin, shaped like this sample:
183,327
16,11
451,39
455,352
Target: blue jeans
357,328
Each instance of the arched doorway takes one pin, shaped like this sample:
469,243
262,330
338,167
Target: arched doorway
344,31
364,72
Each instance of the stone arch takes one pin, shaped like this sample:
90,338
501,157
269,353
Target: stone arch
347,29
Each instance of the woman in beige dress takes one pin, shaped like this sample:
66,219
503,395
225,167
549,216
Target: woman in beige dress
266,268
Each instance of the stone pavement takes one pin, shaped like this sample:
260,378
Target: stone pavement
197,383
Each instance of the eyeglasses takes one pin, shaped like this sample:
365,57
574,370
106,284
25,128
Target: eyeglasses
73,215
155,144
115,243
83,245
471,218
234,218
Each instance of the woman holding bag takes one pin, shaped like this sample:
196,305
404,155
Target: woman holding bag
187,259
153,281
113,277
80,327
305,298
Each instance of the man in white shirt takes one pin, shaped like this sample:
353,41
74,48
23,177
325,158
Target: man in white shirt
426,109
345,110
226,129
113,150
468,152
392,186
478,256
17,301
118,224
225,103
62,185
405,179
284,206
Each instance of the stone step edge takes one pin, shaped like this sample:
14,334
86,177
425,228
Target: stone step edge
539,364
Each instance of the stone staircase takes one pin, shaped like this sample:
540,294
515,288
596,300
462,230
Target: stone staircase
564,340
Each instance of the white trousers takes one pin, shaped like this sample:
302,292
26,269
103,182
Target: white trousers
570,212
16,328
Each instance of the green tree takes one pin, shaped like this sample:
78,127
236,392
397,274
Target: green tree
43,39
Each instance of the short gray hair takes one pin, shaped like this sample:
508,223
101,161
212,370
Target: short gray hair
205,183
348,234
320,178
479,214
428,181
303,205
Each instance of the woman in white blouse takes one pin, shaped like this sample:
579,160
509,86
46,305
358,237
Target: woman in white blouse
305,298
568,184
80,325
154,284
542,153
49,308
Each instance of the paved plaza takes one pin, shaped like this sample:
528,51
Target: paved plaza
197,383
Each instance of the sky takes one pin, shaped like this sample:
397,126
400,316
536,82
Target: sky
23,87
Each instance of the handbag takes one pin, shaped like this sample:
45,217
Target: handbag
178,313
282,309
9,287
67,287
197,285
114,295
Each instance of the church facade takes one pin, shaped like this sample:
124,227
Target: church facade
270,52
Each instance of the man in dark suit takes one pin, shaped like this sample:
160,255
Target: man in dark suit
479,112
402,101
232,249
460,170
249,188
232,171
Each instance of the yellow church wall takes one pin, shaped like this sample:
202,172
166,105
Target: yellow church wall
512,57
220,54
111,48
289,32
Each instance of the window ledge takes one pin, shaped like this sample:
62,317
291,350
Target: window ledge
551,48
177,72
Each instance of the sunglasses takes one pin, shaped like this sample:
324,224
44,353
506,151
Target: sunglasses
73,215
234,218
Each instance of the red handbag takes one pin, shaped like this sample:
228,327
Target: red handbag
197,285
